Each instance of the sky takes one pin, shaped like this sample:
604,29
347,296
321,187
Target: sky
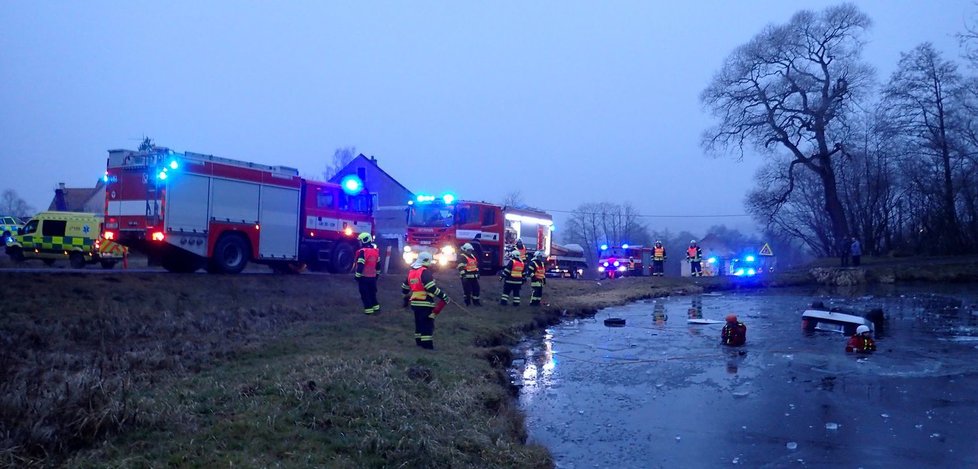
567,102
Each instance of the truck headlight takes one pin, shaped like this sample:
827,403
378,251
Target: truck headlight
601,268
407,248
622,268
448,250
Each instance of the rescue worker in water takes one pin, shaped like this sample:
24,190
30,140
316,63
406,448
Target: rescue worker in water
468,270
734,332
420,292
861,341
366,273
513,277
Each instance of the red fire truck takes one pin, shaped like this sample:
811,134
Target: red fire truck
441,225
187,211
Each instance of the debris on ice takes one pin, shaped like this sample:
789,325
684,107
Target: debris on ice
886,416
791,445
831,426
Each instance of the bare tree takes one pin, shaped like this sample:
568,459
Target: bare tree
969,40
514,199
791,88
594,224
12,205
924,96
341,157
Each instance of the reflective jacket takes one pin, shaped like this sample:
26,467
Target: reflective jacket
421,287
694,253
468,265
538,272
659,253
734,334
860,344
513,272
368,261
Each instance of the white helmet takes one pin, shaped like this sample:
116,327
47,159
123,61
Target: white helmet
514,254
466,247
692,241
862,329
424,259
538,255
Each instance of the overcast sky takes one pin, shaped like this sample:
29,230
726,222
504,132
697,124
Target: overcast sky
569,102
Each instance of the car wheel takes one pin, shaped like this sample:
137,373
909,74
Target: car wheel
230,254
16,254
77,260
341,261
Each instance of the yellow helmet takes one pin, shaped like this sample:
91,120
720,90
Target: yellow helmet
365,238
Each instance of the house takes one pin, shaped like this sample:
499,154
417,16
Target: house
390,199
79,199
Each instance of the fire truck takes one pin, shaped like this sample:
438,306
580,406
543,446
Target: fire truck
621,261
441,225
188,211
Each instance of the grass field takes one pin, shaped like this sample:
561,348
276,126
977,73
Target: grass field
145,369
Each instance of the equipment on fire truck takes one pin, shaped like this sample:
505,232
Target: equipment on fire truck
439,225
566,261
189,210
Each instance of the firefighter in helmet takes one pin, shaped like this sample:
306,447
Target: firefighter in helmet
367,270
513,277
420,292
734,332
658,259
695,256
537,272
468,269
862,341
521,248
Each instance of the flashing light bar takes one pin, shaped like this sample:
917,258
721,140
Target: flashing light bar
162,175
527,219
426,198
624,246
749,258
351,184
604,247
448,198
174,164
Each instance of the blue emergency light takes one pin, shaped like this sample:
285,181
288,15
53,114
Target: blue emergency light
624,246
448,198
351,184
712,260
749,258
604,247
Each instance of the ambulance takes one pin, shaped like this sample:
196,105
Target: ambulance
75,237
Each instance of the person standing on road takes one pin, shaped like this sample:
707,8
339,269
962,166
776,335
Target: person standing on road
468,270
861,341
513,277
856,251
367,271
658,259
521,248
694,255
420,292
734,332
538,277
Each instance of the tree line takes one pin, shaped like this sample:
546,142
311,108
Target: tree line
892,163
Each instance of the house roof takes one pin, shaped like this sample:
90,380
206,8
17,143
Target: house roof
373,161
76,197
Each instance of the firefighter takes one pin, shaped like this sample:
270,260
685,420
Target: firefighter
522,249
468,270
861,341
367,270
537,272
694,255
631,267
513,277
734,332
420,292
658,259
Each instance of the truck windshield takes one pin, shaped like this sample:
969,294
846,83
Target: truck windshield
431,215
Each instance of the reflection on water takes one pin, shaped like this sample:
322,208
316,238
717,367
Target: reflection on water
660,393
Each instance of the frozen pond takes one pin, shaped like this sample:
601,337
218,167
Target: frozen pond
660,392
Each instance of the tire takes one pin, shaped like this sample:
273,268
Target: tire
16,254
107,265
341,259
48,262
77,260
231,255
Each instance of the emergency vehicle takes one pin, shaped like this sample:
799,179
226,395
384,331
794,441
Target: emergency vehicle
620,261
190,210
8,227
72,236
441,225
566,261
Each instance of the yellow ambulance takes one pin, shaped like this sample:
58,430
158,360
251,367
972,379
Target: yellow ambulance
54,236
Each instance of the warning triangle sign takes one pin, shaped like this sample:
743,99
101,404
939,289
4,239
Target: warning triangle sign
766,250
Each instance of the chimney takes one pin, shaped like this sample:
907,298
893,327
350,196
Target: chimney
60,203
